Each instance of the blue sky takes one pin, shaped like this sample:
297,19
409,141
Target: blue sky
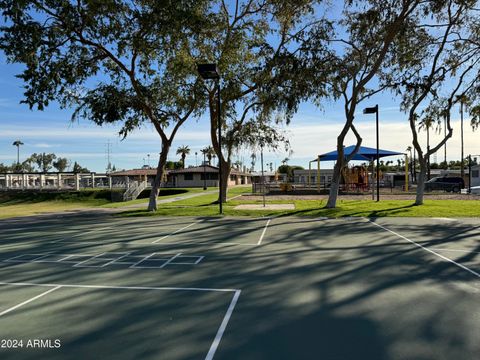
311,132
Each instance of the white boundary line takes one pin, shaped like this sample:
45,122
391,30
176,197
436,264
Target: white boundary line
465,251
30,300
427,249
114,260
80,264
263,232
116,287
173,233
170,260
223,326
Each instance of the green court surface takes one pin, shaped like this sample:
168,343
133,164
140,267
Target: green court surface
73,287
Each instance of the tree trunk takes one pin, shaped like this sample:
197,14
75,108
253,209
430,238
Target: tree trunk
152,204
421,181
226,169
333,195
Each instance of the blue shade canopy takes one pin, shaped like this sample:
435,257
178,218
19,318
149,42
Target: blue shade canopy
363,154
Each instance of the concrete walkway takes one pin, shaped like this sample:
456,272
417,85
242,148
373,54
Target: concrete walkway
170,200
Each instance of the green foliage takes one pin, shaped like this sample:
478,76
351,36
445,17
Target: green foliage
288,169
43,161
183,151
61,164
173,165
77,168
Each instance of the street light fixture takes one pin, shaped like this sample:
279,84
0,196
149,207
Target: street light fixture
17,143
210,72
374,110
204,170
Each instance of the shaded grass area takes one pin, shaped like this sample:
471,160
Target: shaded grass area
25,203
204,206
164,194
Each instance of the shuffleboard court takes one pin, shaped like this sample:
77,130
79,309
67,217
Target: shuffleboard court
128,322
274,288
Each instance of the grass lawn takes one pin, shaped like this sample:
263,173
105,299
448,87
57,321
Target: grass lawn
32,203
24,204
205,206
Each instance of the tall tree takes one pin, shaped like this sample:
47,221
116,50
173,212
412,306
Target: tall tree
61,164
358,49
209,151
77,168
43,161
183,151
134,50
438,66
252,42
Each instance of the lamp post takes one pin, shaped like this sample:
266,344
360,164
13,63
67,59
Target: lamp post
148,157
204,172
17,143
196,162
374,110
210,72
263,174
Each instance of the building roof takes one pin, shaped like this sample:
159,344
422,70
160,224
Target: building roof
136,172
265,173
207,168
364,153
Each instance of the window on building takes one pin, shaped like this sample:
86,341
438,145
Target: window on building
232,177
188,176
475,173
209,176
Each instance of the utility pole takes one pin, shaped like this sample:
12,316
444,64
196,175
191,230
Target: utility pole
109,165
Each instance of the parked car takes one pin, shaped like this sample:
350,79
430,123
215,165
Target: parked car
475,190
445,183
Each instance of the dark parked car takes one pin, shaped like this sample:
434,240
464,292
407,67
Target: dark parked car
445,183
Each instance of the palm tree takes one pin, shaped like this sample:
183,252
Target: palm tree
183,151
17,143
209,152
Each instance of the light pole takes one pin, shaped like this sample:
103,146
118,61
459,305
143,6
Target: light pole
462,167
204,171
263,174
374,110
428,152
210,72
17,143
196,162
148,157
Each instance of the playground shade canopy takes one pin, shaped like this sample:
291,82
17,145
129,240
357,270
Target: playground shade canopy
364,154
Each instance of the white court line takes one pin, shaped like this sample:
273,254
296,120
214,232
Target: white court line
182,243
30,300
114,260
170,260
223,326
142,260
427,249
115,287
173,233
263,232
465,251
